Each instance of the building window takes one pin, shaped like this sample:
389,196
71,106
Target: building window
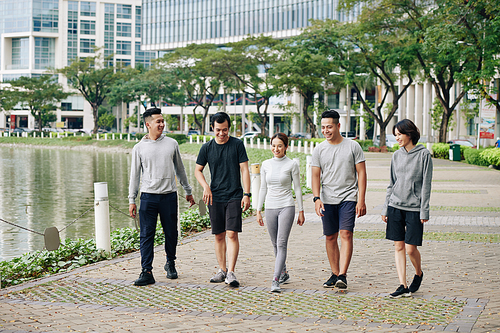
20,53
143,58
123,29
87,45
72,47
44,52
124,11
87,8
123,47
46,15
138,21
123,63
87,27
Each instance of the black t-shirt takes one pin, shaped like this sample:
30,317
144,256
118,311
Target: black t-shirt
224,163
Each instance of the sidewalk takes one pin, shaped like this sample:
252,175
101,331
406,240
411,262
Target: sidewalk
459,291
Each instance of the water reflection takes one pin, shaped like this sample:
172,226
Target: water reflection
41,188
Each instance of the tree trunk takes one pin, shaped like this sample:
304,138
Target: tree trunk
196,120
443,128
308,97
95,113
263,117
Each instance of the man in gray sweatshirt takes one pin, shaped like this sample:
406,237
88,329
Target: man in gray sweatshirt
158,158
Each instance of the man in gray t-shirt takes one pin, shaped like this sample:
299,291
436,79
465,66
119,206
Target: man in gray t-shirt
338,165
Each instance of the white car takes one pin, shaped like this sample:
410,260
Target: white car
390,140
249,135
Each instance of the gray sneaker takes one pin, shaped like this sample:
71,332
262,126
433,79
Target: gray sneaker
219,277
284,278
275,287
231,280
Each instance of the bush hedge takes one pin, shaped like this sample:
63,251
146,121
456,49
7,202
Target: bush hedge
491,156
473,156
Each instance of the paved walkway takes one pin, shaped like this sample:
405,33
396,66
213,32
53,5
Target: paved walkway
459,292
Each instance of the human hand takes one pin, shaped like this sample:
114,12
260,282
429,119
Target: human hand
360,209
190,199
423,221
245,203
259,219
384,218
132,210
319,208
301,219
207,195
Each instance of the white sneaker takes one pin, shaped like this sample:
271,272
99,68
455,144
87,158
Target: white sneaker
275,287
231,280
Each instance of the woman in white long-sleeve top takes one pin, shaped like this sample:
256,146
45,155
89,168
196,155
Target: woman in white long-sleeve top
406,206
277,176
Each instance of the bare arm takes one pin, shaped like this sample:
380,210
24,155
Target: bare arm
316,176
361,206
245,175
200,177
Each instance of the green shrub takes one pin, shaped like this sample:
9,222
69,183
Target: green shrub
441,150
491,156
473,156
365,144
180,138
139,136
77,138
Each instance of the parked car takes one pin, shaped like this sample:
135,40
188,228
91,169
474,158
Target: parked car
350,135
390,140
249,135
193,132
301,135
22,130
462,142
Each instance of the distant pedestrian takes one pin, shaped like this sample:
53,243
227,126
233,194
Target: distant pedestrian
338,165
406,206
497,143
158,158
227,158
277,176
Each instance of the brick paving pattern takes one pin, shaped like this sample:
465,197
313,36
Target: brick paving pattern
459,292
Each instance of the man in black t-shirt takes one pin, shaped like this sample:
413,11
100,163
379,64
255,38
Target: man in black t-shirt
226,157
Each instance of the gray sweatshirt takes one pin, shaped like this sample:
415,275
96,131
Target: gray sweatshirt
410,184
159,161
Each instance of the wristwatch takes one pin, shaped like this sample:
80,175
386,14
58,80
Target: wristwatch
316,198
248,194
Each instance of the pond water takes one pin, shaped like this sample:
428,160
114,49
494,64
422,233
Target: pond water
43,188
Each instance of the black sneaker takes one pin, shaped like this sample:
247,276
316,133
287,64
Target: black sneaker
170,269
341,282
401,292
145,278
415,284
331,281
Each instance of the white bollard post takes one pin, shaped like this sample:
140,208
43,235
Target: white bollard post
58,135
305,147
198,140
245,142
251,142
309,171
41,135
265,144
74,133
66,134
136,140
82,134
113,136
128,137
97,136
258,143
190,139
255,184
17,134
292,146
121,136
204,139
101,212
50,134
105,136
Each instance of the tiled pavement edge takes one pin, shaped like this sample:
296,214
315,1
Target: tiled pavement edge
467,272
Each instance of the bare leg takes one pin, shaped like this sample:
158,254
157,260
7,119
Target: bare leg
233,248
400,256
345,250
220,249
332,251
415,258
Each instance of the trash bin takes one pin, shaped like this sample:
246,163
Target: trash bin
455,152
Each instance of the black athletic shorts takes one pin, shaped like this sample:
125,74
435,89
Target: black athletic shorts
225,216
403,225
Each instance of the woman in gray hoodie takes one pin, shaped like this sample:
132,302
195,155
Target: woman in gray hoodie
406,206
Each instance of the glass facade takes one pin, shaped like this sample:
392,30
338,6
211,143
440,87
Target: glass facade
124,11
46,15
123,47
123,29
173,21
87,27
87,8
87,45
72,31
109,30
44,53
143,58
20,53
